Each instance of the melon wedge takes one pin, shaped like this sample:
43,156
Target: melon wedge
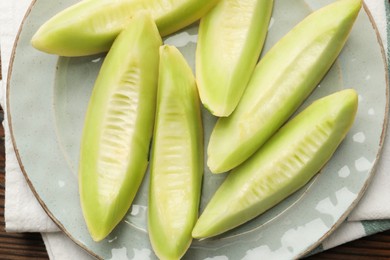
231,37
90,26
283,165
118,126
177,158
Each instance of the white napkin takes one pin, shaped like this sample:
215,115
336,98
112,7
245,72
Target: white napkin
24,214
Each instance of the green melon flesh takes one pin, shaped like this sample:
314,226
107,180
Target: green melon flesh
90,26
283,165
231,37
118,126
282,80
177,158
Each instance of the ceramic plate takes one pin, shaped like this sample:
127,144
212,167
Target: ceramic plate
48,96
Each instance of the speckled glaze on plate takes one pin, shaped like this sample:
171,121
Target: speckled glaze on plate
47,99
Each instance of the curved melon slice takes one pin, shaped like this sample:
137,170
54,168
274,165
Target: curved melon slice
231,37
282,80
177,158
283,165
118,126
90,26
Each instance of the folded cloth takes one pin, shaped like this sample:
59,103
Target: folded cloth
372,214
24,214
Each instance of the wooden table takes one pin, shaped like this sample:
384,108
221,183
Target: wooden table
31,246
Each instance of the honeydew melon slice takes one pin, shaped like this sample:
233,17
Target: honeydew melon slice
90,26
283,165
231,37
118,126
177,158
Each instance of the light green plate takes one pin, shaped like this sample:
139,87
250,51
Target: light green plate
48,96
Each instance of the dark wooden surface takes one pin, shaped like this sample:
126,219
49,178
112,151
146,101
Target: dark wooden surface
31,246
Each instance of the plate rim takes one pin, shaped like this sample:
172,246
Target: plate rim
360,194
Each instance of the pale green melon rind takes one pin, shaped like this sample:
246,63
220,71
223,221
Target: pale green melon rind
177,158
283,165
90,26
230,41
282,80
118,127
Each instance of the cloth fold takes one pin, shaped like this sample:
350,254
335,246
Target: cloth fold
24,214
